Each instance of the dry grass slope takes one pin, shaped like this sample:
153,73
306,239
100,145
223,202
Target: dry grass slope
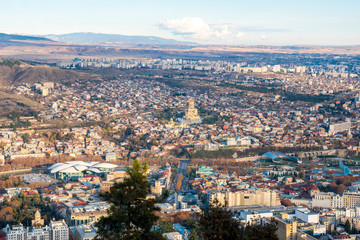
19,73
14,102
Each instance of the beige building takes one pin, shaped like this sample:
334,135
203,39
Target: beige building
156,189
87,214
287,229
263,197
351,199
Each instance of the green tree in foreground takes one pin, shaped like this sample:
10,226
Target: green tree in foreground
348,226
131,215
165,227
194,235
216,223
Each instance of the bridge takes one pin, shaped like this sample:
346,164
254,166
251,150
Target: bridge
316,154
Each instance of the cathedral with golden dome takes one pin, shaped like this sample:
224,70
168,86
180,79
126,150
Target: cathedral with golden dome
191,115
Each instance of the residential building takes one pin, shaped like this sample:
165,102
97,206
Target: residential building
16,232
59,230
85,232
245,197
173,236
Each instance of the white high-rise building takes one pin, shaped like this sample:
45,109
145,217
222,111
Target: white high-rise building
59,230
16,232
39,234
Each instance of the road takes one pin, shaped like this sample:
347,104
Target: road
182,167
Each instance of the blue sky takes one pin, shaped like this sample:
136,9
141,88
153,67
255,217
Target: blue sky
260,22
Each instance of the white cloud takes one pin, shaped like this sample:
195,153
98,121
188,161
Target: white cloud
197,28
240,34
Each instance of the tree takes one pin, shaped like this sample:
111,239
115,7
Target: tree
348,226
25,138
131,215
194,235
165,227
216,223
340,189
164,195
286,202
302,175
179,182
189,223
257,231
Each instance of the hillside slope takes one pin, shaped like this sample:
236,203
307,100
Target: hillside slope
15,73
14,102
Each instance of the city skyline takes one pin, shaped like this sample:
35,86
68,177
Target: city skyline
205,22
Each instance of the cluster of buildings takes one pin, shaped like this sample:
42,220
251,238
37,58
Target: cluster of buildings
72,142
338,70
159,113
159,116
57,230
77,200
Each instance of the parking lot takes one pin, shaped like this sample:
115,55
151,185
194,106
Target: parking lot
35,178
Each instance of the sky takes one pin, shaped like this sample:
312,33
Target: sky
232,22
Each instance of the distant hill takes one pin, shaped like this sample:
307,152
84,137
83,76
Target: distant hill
8,40
11,37
88,37
21,40
16,72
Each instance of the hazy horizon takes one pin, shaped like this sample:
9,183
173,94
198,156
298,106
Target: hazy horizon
275,23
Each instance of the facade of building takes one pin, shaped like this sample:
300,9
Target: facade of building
287,229
173,236
83,215
57,230
245,198
307,216
250,216
156,189
16,232
339,127
85,232
348,200
39,234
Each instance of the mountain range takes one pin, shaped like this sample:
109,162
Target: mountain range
88,37
14,37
